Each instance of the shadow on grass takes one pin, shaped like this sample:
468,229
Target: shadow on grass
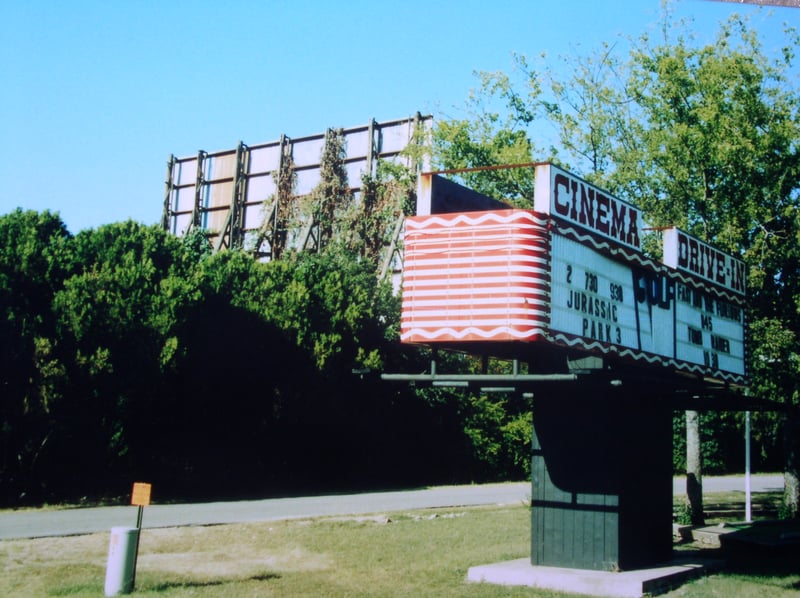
165,586
776,570
731,505
769,549
765,552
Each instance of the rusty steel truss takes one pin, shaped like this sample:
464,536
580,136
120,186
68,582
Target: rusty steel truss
233,194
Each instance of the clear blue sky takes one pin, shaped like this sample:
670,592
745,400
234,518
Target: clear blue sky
95,94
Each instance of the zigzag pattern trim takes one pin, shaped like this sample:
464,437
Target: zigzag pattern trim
500,217
650,358
498,333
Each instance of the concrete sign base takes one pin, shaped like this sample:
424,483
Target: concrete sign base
626,584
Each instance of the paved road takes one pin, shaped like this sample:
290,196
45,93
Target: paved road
62,522
761,482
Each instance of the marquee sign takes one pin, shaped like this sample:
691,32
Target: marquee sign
571,273
574,201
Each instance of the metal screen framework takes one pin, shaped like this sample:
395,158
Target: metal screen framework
232,194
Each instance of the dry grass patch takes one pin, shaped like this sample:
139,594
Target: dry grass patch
420,553
225,552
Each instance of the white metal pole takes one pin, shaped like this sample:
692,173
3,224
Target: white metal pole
747,499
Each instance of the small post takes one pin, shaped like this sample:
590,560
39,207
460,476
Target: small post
748,504
140,497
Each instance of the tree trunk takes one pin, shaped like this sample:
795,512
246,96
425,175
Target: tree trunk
694,469
791,474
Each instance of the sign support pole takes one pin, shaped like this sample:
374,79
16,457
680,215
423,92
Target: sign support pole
139,516
747,493
141,498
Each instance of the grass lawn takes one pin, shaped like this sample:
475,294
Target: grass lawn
419,553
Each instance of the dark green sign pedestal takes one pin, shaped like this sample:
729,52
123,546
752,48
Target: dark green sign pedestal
601,479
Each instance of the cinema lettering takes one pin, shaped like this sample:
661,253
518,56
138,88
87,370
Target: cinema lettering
577,201
571,273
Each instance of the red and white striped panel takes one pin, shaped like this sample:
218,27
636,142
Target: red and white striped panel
475,276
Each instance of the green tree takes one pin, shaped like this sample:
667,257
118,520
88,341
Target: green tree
498,431
495,132
34,260
117,316
139,355
720,125
590,110
218,424
330,303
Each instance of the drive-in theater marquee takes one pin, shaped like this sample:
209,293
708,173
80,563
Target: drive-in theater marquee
571,272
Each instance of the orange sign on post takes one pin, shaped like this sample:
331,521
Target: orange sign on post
140,497
141,494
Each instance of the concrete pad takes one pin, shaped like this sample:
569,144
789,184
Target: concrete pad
625,584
